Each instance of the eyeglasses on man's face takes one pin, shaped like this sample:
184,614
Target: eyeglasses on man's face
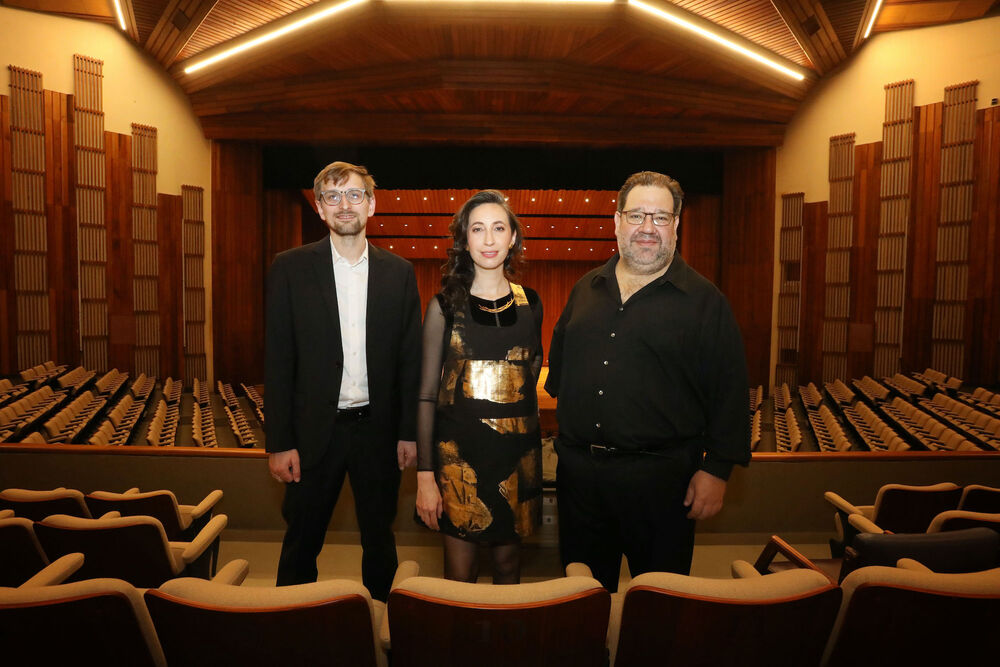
333,197
660,218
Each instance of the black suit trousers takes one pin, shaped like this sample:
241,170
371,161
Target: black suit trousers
372,467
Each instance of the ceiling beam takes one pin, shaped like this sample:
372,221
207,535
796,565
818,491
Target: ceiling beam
128,13
479,129
866,17
179,21
479,75
811,27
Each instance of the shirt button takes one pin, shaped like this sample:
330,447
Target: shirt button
605,362
600,392
621,308
612,334
598,424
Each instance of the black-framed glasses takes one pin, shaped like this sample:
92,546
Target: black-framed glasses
660,218
332,197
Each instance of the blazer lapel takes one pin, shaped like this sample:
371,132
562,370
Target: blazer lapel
323,269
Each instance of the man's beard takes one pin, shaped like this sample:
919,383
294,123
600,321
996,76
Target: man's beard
647,260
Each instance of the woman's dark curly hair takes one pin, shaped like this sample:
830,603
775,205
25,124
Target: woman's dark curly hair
459,271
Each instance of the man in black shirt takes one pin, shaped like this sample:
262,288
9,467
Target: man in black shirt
648,365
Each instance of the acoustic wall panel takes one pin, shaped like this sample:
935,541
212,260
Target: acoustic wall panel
145,251
30,251
789,288
840,238
894,216
193,279
92,237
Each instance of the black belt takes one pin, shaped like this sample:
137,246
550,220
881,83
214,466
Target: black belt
605,452
357,414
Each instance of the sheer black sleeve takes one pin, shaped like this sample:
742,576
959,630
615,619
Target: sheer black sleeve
538,314
430,381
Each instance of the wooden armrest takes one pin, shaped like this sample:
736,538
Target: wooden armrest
863,524
578,570
56,572
233,573
741,569
841,504
211,532
777,545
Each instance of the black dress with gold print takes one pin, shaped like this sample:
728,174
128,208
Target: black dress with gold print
485,447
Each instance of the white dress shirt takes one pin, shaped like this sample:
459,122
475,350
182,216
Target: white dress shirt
352,302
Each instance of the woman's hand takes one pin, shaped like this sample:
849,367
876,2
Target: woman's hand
429,506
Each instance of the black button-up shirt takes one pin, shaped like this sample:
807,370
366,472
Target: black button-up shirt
665,367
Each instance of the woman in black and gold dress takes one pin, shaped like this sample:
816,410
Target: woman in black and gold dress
479,478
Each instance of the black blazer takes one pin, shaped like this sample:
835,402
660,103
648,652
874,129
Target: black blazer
305,357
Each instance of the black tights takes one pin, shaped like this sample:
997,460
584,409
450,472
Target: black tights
461,561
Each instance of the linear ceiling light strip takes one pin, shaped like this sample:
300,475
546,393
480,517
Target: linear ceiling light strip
871,23
274,34
682,22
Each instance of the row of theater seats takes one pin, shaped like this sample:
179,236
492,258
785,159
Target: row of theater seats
117,428
839,392
830,437
111,382
200,392
908,388
924,428
9,391
787,435
162,430
983,427
73,419
875,433
872,390
258,401
26,410
755,429
203,426
893,612
41,373
234,413
943,380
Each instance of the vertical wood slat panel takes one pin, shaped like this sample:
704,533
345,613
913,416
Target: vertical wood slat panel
237,262
60,206
747,250
789,288
814,237
982,324
169,219
88,115
146,279
866,204
118,221
890,269
948,337
193,284
840,233
8,310
33,324
926,197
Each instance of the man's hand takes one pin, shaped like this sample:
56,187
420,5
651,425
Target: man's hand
285,465
704,495
406,453
429,505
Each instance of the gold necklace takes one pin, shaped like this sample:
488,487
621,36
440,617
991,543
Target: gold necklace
498,309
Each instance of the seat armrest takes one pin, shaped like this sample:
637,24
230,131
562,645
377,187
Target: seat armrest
405,570
578,570
741,569
841,504
131,492
203,540
6,514
56,572
864,524
911,564
777,545
233,573
113,514
210,501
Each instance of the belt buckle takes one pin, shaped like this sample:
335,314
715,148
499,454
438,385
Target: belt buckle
600,451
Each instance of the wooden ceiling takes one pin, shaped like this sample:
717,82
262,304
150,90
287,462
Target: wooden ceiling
423,72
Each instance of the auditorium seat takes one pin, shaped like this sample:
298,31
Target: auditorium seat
557,622
132,548
980,498
36,505
325,623
180,522
910,616
22,557
959,519
670,619
899,508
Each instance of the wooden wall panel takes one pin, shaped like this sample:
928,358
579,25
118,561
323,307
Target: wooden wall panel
926,197
146,279
814,237
88,118
840,240
60,212
700,234
169,220
983,314
237,262
790,254
194,339
283,213
866,202
118,221
747,251
8,322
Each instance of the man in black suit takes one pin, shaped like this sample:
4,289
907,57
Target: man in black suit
343,362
